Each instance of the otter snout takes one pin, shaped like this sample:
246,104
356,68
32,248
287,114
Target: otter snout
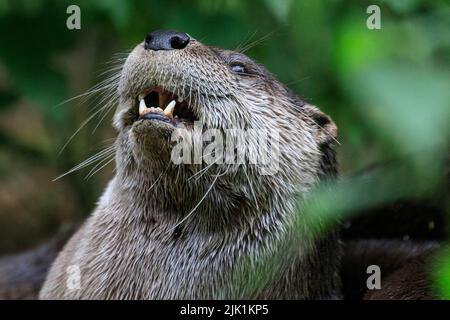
166,40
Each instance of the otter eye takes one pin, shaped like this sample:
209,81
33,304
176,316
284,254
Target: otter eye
238,67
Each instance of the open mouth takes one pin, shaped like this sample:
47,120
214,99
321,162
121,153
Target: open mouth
161,105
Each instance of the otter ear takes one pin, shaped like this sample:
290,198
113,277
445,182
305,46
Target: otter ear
327,130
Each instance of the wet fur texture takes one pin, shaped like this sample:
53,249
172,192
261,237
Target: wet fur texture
166,231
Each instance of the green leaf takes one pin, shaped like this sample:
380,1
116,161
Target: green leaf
407,106
441,274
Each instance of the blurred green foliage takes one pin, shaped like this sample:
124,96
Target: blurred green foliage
388,90
442,272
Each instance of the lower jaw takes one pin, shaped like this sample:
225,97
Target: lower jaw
174,123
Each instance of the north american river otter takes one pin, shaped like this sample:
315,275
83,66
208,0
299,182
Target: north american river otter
159,233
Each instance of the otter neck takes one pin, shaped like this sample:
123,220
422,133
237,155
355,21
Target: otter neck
213,203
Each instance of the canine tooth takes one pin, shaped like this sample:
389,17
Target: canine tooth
142,106
169,109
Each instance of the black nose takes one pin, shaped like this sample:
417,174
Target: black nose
166,40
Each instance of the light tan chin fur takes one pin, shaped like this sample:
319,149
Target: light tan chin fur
133,245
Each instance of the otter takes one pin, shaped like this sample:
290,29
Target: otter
159,233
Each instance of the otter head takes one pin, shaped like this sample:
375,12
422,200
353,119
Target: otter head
173,83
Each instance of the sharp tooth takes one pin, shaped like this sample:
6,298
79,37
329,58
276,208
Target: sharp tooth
169,109
142,107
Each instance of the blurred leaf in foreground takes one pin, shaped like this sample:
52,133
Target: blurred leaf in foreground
442,274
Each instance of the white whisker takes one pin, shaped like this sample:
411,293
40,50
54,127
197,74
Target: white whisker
105,153
198,204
